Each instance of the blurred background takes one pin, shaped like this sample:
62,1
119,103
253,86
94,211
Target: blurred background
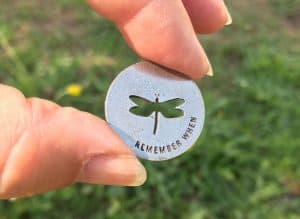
246,163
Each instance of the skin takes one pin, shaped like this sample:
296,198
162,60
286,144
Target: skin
46,147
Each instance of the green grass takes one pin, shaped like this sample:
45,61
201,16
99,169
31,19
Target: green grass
246,163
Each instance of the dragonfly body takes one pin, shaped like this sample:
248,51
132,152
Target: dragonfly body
146,108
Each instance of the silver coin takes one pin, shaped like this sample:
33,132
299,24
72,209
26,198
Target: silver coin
159,114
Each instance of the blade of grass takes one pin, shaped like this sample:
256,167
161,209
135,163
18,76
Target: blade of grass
18,70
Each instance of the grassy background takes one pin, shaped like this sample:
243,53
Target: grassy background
246,163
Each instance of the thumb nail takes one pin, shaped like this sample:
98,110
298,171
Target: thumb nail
123,170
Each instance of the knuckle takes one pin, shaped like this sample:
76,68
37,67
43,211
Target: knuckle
69,113
40,108
73,116
84,119
12,92
15,118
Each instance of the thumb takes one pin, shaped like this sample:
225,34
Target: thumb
52,147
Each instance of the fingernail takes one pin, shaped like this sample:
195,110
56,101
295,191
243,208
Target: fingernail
229,17
210,72
124,170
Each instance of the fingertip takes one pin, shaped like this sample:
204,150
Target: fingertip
140,177
208,16
199,68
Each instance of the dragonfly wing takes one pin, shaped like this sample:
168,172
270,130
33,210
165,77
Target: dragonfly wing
139,111
173,103
139,100
143,106
172,113
168,108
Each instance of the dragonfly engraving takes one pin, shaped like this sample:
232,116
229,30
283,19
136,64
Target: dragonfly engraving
146,108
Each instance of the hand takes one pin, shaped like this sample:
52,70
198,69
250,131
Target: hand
44,146
163,31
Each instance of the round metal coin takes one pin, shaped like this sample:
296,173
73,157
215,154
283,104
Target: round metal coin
159,114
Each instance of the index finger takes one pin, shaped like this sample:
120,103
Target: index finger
159,31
